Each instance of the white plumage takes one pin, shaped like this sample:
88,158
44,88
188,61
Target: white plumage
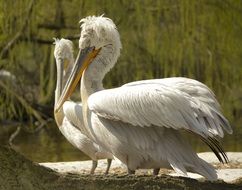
178,103
140,122
69,119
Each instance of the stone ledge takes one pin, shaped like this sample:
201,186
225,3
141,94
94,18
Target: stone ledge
229,174
19,173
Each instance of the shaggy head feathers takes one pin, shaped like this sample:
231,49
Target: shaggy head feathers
98,32
63,49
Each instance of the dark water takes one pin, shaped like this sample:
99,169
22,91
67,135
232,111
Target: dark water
48,145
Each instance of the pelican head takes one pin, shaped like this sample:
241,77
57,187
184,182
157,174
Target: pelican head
63,49
63,53
101,34
64,61
99,50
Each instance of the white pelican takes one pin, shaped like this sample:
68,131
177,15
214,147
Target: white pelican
70,125
140,122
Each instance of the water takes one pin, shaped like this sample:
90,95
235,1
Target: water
48,145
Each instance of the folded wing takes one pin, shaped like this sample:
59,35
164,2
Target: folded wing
177,103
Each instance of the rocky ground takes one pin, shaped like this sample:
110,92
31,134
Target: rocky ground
19,173
230,173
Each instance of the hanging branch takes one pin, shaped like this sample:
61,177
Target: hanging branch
49,41
14,135
54,26
10,44
23,102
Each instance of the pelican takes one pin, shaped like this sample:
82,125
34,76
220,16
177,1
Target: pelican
141,122
70,125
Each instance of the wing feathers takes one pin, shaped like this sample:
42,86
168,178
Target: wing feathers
177,103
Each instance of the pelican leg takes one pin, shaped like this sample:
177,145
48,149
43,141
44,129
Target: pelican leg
94,165
156,171
108,166
131,171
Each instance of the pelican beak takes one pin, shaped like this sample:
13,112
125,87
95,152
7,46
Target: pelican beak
84,58
59,68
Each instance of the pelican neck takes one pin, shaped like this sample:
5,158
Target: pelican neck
89,85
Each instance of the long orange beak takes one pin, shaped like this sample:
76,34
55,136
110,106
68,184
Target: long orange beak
84,58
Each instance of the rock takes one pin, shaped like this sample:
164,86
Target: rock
234,157
227,174
19,173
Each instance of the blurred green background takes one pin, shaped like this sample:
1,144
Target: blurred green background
199,39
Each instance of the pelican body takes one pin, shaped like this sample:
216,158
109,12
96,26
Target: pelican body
140,123
69,119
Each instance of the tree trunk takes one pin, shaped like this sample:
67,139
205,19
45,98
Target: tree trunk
19,173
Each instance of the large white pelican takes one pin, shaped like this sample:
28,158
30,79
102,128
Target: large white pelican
140,122
71,126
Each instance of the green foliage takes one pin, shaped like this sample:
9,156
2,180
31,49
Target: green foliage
197,39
